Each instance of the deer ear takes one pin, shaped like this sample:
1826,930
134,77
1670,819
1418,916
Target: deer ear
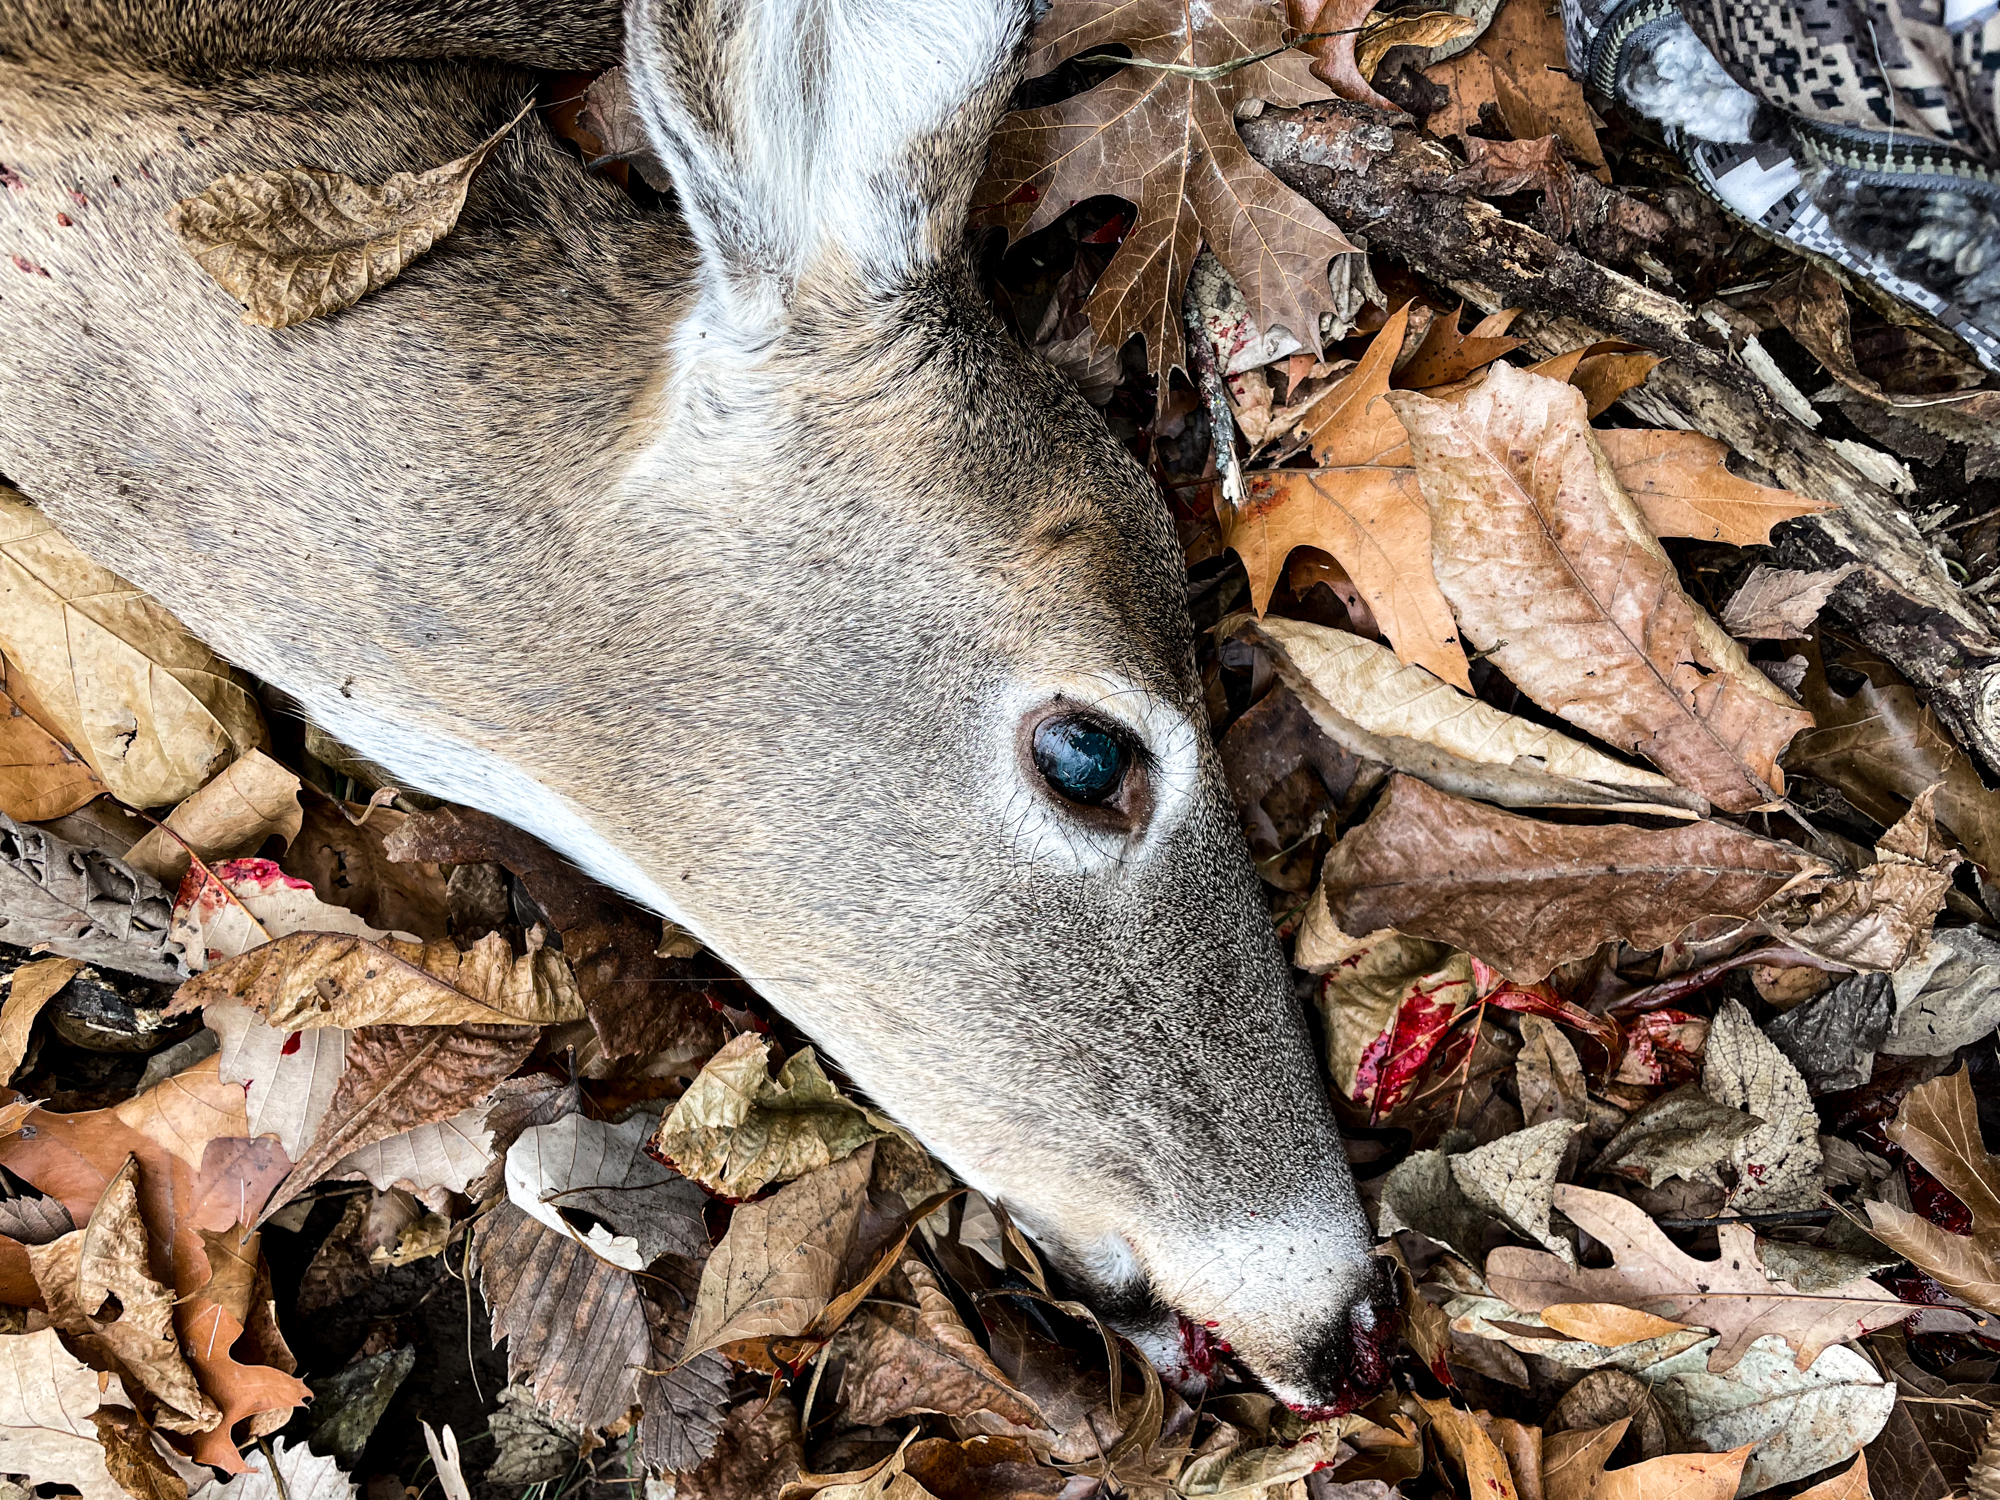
813,138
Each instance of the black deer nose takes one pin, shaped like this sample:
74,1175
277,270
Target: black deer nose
1349,1360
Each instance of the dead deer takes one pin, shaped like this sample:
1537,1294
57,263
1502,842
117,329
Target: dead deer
740,555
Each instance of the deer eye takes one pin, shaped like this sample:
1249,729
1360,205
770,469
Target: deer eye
1080,759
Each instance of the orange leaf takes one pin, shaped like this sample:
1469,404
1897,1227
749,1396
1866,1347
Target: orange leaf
1680,481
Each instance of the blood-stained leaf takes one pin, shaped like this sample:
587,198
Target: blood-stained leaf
289,1076
348,865
301,243
1519,65
1778,1163
40,776
579,1330
1780,604
134,1336
1682,485
253,799
1880,747
595,1183
905,1359
1551,570
637,1000
400,1077
1573,1469
311,979
300,1474
155,712
1386,1000
1732,1295
1662,1046
778,1267
47,1397
1938,1124
29,988
737,1129
240,904
1525,895
1167,142
82,904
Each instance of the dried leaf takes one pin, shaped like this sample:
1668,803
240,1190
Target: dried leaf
1525,895
1520,65
1430,28
1330,31
301,243
154,712
737,1130
40,776
1448,354
301,1475
903,1360
778,1267
1851,1484
400,1077
1947,998
1938,1124
1573,1469
348,865
1832,1039
1167,142
1881,919
1606,1323
1682,485
1514,1178
34,1219
29,988
1778,1163
610,115
240,904
1684,1134
595,1183
1548,1074
1551,570
1472,1451
253,799
1386,1000
79,903
449,1154
46,1400
289,1076
1778,604
1732,1295
312,979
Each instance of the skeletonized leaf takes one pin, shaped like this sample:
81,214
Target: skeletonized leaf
1525,895
301,243
1551,570
234,814
308,979
1682,485
737,1130
595,1183
1732,1295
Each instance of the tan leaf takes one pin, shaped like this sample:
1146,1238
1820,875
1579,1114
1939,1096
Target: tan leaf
309,979
300,243
1430,28
596,1184
1881,919
1682,485
288,1076
107,1258
1525,895
1484,1467
1375,705
400,1077
1573,1469
301,1475
239,904
40,776
1732,1295
1606,1323
1549,1075
1167,142
904,1360
349,865
1850,1484
29,988
1780,604
47,1397
1351,424
133,1457
1448,354
1519,64
182,1114
1552,572
778,1266
154,712
253,799
737,1130
1938,1124
449,1154
1514,1179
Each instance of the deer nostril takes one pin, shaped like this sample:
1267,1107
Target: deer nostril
1080,758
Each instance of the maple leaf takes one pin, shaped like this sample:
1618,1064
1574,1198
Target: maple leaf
1682,485
1938,1124
1161,133
1731,1295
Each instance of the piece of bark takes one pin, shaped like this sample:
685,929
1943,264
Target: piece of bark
1393,186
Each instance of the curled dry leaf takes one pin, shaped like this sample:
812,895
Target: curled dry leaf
1431,28
29,988
922,1358
311,979
1519,65
1947,998
1525,895
1370,702
1573,1469
1938,1124
82,904
348,865
1447,354
154,712
1551,570
301,243
1472,1450
1881,919
595,1183
1682,485
737,1130
254,799
1167,141
1732,1295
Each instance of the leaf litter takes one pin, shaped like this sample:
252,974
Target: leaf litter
1662,1079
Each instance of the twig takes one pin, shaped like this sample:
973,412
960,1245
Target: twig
1791,1216
1215,70
1208,380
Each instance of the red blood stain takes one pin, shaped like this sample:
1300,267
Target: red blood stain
1111,232
78,199
291,1044
1542,1000
1200,1348
64,220
11,179
1393,1060
1656,1045
26,266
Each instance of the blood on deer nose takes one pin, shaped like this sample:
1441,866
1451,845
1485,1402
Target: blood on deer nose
1349,1360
